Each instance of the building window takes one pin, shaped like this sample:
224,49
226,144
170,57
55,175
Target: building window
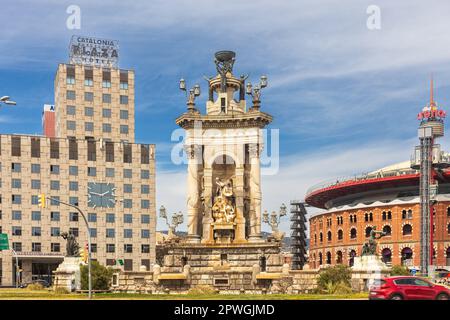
74,231
16,199
16,215
124,114
73,170
36,231
17,246
88,82
106,98
54,216
123,129
71,125
93,247
127,203
123,99
329,235
145,154
145,248
73,201
124,85
36,247
36,215
54,202
127,188
55,232
340,235
353,233
106,113
92,152
110,218
70,95
55,247
127,156
54,169
70,110
128,233
145,174
16,231
110,172
387,230
35,184
35,168
145,233
127,173
16,183
407,214
92,171
145,189
448,228
16,167
407,229
15,146
145,204
73,185
106,127
110,248
368,231
89,126
73,216
73,149
128,248
93,232
146,263
89,96
110,233
88,111
92,217
54,149
106,84
128,218
54,185
145,218
70,80
35,147
109,151
127,264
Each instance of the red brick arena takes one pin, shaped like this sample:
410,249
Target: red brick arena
387,199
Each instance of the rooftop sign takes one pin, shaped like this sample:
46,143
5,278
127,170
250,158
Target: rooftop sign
94,51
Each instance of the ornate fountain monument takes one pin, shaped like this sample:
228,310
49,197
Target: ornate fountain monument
68,274
224,247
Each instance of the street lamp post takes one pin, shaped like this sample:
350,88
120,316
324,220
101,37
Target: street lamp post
89,240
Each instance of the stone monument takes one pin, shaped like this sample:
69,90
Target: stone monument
68,274
223,247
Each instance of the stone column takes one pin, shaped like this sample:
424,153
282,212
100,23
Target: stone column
239,194
193,197
207,217
255,193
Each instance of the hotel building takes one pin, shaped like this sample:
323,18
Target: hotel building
87,156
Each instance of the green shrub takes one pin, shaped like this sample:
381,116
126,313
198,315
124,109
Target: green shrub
334,280
61,290
400,271
101,277
35,286
202,290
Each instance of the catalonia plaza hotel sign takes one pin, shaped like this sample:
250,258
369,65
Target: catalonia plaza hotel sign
94,51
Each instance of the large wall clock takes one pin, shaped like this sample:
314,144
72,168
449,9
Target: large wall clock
101,195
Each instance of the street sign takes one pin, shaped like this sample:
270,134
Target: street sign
4,243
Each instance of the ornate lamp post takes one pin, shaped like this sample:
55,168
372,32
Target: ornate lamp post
256,92
194,92
274,220
177,219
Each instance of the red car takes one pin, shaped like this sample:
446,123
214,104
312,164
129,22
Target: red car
407,288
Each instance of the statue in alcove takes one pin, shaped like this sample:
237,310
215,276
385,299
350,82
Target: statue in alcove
223,209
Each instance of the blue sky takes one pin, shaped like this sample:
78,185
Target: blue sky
344,97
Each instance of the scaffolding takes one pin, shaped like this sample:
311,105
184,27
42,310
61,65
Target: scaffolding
298,234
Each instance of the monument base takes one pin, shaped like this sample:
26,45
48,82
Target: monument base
366,270
68,274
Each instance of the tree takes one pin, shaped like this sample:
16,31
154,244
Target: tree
101,276
335,279
400,271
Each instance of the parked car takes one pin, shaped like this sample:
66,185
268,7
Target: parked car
407,288
44,283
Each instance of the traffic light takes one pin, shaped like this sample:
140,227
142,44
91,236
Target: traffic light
84,254
42,200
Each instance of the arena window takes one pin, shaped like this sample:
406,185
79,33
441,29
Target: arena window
341,234
387,230
321,237
353,233
389,215
368,230
329,236
448,211
407,229
383,215
448,228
